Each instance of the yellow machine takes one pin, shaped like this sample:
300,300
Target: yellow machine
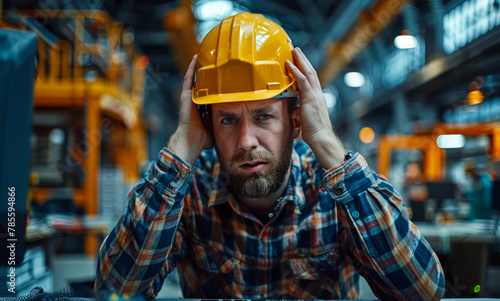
434,157
112,99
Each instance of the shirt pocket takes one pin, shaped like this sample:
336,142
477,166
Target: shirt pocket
313,276
314,266
214,261
214,272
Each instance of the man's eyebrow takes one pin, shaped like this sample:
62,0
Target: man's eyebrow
225,114
266,109
260,110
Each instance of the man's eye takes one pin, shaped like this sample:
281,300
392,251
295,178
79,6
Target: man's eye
227,120
264,117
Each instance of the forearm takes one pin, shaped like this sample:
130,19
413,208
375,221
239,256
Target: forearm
328,149
391,253
396,260
136,250
185,145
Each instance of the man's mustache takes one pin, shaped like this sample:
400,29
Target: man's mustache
253,156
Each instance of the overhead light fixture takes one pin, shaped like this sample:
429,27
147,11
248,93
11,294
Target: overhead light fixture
210,13
451,141
57,136
405,40
354,79
475,97
367,135
142,62
213,10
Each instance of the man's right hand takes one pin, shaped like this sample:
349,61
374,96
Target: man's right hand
191,136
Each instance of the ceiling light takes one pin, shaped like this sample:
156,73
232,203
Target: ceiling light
367,135
354,79
142,62
57,136
210,10
475,97
405,40
451,141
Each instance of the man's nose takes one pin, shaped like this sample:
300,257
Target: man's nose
247,139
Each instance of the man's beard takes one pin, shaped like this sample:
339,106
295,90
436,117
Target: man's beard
258,184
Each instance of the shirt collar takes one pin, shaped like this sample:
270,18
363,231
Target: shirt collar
293,192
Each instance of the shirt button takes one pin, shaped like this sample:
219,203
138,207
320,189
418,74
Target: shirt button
173,184
214,265
339,191
270,214
355,214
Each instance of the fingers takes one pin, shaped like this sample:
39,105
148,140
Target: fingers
306,67
189,77
305,60
302,82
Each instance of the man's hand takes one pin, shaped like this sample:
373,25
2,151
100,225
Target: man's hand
191,136
315,122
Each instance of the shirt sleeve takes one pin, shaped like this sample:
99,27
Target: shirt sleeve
387,248
145,245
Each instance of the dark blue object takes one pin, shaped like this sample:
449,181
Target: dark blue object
17,76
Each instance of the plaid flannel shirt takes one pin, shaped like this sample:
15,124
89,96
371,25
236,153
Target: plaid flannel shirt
328,227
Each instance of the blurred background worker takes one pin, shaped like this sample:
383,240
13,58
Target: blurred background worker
479,194
89,92
415,192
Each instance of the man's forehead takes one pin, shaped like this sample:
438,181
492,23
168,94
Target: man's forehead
264,104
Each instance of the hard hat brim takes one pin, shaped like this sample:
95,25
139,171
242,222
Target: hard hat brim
236,97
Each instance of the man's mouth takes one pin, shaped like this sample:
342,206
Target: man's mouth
253,166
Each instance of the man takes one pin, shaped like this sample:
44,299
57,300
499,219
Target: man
259,216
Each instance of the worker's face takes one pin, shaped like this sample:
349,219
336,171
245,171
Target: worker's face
254,143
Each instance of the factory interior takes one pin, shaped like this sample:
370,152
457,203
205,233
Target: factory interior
89,95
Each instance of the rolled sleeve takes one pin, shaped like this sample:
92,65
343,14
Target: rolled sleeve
171,175
346,184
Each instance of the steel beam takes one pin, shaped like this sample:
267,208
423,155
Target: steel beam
370,24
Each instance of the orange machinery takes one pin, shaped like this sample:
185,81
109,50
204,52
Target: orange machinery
179,24
116,94
434,157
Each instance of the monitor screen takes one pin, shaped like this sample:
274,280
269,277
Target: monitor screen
440,191
17,75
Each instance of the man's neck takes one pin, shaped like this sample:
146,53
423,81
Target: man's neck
266,204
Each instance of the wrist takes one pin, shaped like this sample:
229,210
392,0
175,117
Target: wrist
329,150
185,145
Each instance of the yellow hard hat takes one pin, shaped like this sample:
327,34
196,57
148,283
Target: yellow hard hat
242,59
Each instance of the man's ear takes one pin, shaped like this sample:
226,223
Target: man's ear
296,123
